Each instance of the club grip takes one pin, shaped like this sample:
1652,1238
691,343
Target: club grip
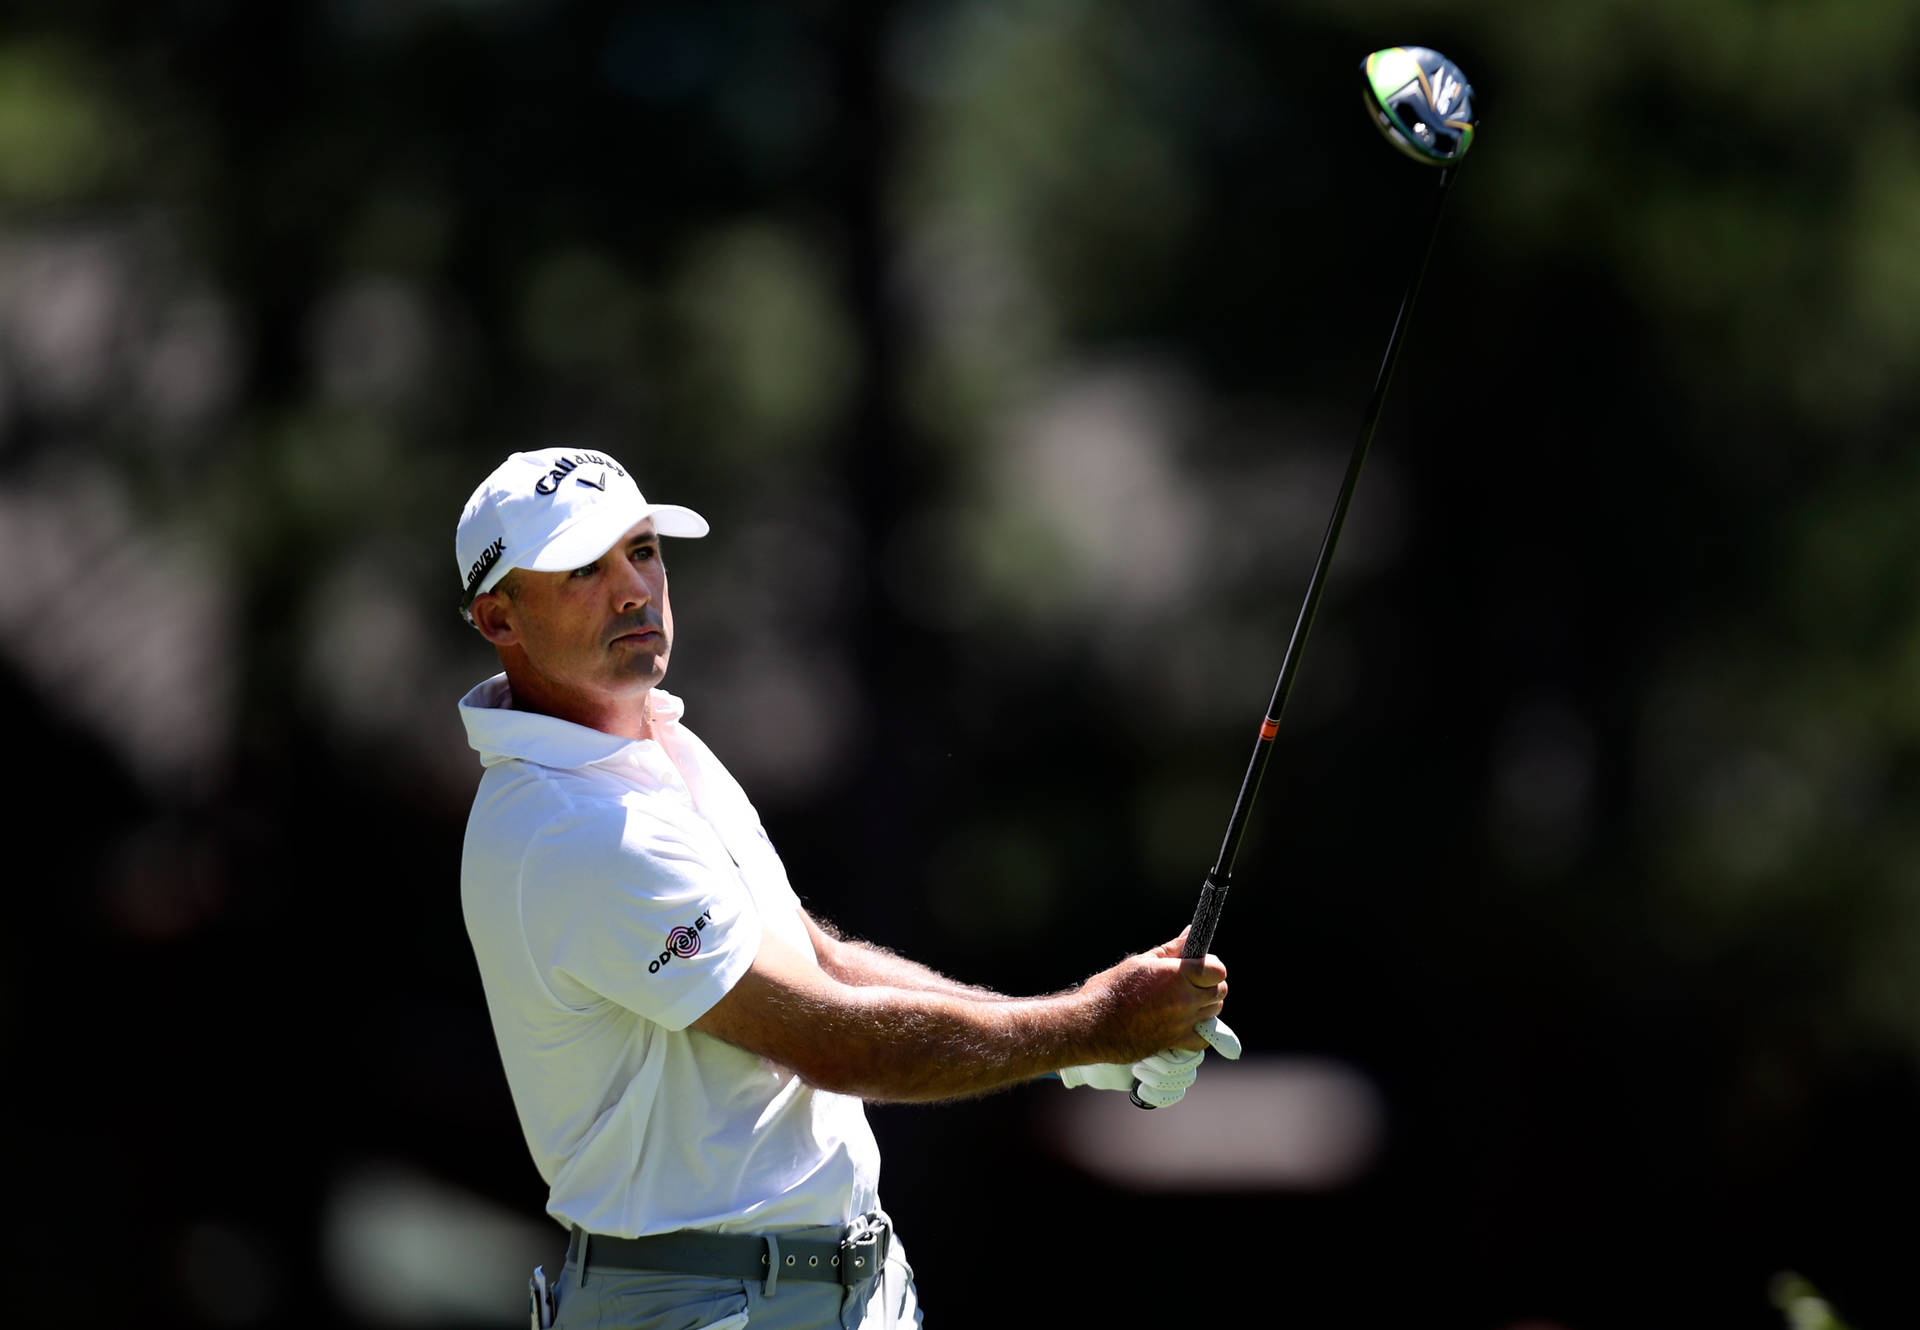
1206,918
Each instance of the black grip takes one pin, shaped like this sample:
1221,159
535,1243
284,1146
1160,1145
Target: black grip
1206,918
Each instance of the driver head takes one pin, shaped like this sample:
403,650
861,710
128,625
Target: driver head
1421,101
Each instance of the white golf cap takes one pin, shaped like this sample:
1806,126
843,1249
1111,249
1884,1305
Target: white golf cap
554,510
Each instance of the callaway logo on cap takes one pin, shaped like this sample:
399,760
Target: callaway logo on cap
554,510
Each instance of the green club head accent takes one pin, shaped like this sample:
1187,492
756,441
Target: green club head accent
1421,101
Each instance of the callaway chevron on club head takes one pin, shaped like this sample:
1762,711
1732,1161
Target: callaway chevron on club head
1421,101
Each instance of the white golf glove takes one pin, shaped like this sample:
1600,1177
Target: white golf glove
1165,1076
1220,1038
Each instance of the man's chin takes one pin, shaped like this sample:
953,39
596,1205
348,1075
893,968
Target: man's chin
642,669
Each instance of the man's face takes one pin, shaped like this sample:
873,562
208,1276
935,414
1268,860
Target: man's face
602,630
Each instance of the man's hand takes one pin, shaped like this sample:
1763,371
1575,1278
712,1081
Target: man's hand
1156,1001
1164,1077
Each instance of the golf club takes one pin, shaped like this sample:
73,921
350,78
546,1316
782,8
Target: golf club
1423,104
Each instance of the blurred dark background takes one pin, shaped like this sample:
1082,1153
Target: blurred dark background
1014,348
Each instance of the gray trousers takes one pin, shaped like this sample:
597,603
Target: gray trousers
634,1300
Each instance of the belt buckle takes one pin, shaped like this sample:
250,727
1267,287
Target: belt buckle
863,1251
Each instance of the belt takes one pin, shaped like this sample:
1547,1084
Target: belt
854,1257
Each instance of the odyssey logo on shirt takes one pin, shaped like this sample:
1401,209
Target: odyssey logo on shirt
682,942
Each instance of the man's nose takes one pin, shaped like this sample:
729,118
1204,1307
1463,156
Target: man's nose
630,586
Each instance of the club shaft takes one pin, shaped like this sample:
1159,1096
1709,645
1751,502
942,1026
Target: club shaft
1206,915
1213,891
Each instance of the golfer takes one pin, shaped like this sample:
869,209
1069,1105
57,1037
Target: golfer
687,1048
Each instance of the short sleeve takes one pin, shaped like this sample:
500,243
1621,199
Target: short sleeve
625,906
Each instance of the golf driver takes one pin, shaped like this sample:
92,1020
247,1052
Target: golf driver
1423,104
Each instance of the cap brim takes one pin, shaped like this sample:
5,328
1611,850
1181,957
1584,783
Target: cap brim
670,519
595,534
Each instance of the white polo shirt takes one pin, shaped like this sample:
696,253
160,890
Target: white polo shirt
614,890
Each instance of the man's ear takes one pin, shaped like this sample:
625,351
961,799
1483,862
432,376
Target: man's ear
493,616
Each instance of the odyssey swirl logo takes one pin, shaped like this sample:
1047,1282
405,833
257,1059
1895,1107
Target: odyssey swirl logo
683,943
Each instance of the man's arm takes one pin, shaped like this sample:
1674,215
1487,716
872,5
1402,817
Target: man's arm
866,965
886,1042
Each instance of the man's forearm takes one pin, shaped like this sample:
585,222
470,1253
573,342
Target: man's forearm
918,1045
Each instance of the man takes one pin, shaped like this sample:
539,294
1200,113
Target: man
687,1048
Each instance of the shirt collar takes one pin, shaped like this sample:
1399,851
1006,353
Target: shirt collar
501,734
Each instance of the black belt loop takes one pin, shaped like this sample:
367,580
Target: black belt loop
584,1235
772,1258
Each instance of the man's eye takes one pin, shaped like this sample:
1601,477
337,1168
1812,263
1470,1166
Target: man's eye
642,553
587,571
